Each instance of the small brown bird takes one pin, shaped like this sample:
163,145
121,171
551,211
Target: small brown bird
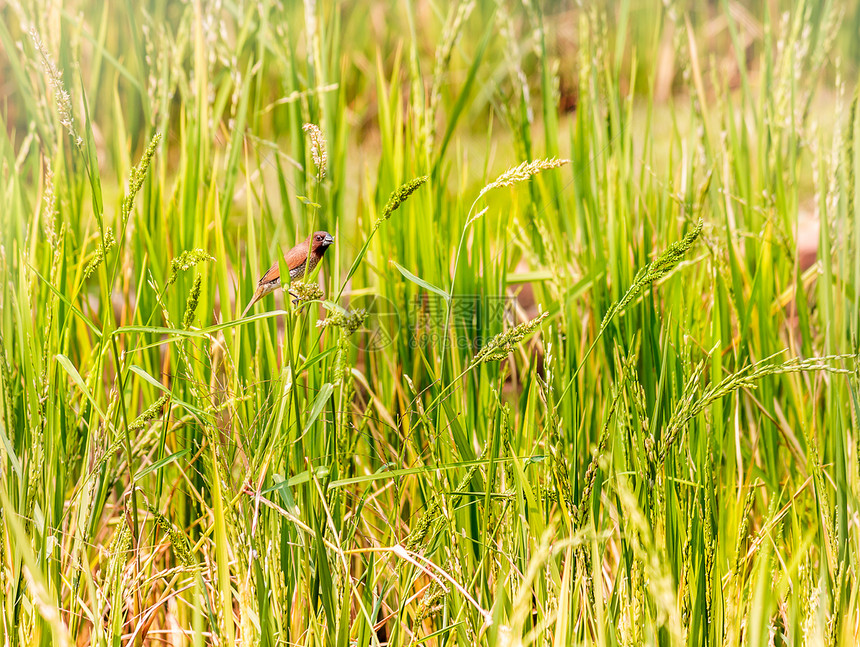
298,260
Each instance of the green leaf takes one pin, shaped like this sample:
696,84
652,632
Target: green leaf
324,394
67,365
157,465
308,201
148,378
463,98
418,281
10,451
196,411
298,479
92,163
64,299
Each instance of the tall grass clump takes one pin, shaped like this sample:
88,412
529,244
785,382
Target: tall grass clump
580,369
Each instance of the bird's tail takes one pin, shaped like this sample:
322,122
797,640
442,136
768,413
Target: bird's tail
258,294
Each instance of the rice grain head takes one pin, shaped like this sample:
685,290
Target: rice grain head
318,149
500,346
185,261
399,196
522,172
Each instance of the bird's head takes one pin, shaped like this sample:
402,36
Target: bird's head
321,241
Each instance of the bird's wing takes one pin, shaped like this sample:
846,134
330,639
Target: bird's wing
294,259
297,256
273,274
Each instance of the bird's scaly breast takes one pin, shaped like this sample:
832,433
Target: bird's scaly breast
299,271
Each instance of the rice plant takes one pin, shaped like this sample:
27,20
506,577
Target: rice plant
581,367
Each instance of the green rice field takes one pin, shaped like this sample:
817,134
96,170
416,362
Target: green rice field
581,367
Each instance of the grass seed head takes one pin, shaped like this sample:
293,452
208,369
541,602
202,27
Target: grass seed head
522,172
138,175
49,208
55,80
118,550
399,196
185,261
500,346
191,303
318,149
107,244
348,321
422,528
181,549
304,291
151,413
658,268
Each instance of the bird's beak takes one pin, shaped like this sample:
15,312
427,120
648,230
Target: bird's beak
329,239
